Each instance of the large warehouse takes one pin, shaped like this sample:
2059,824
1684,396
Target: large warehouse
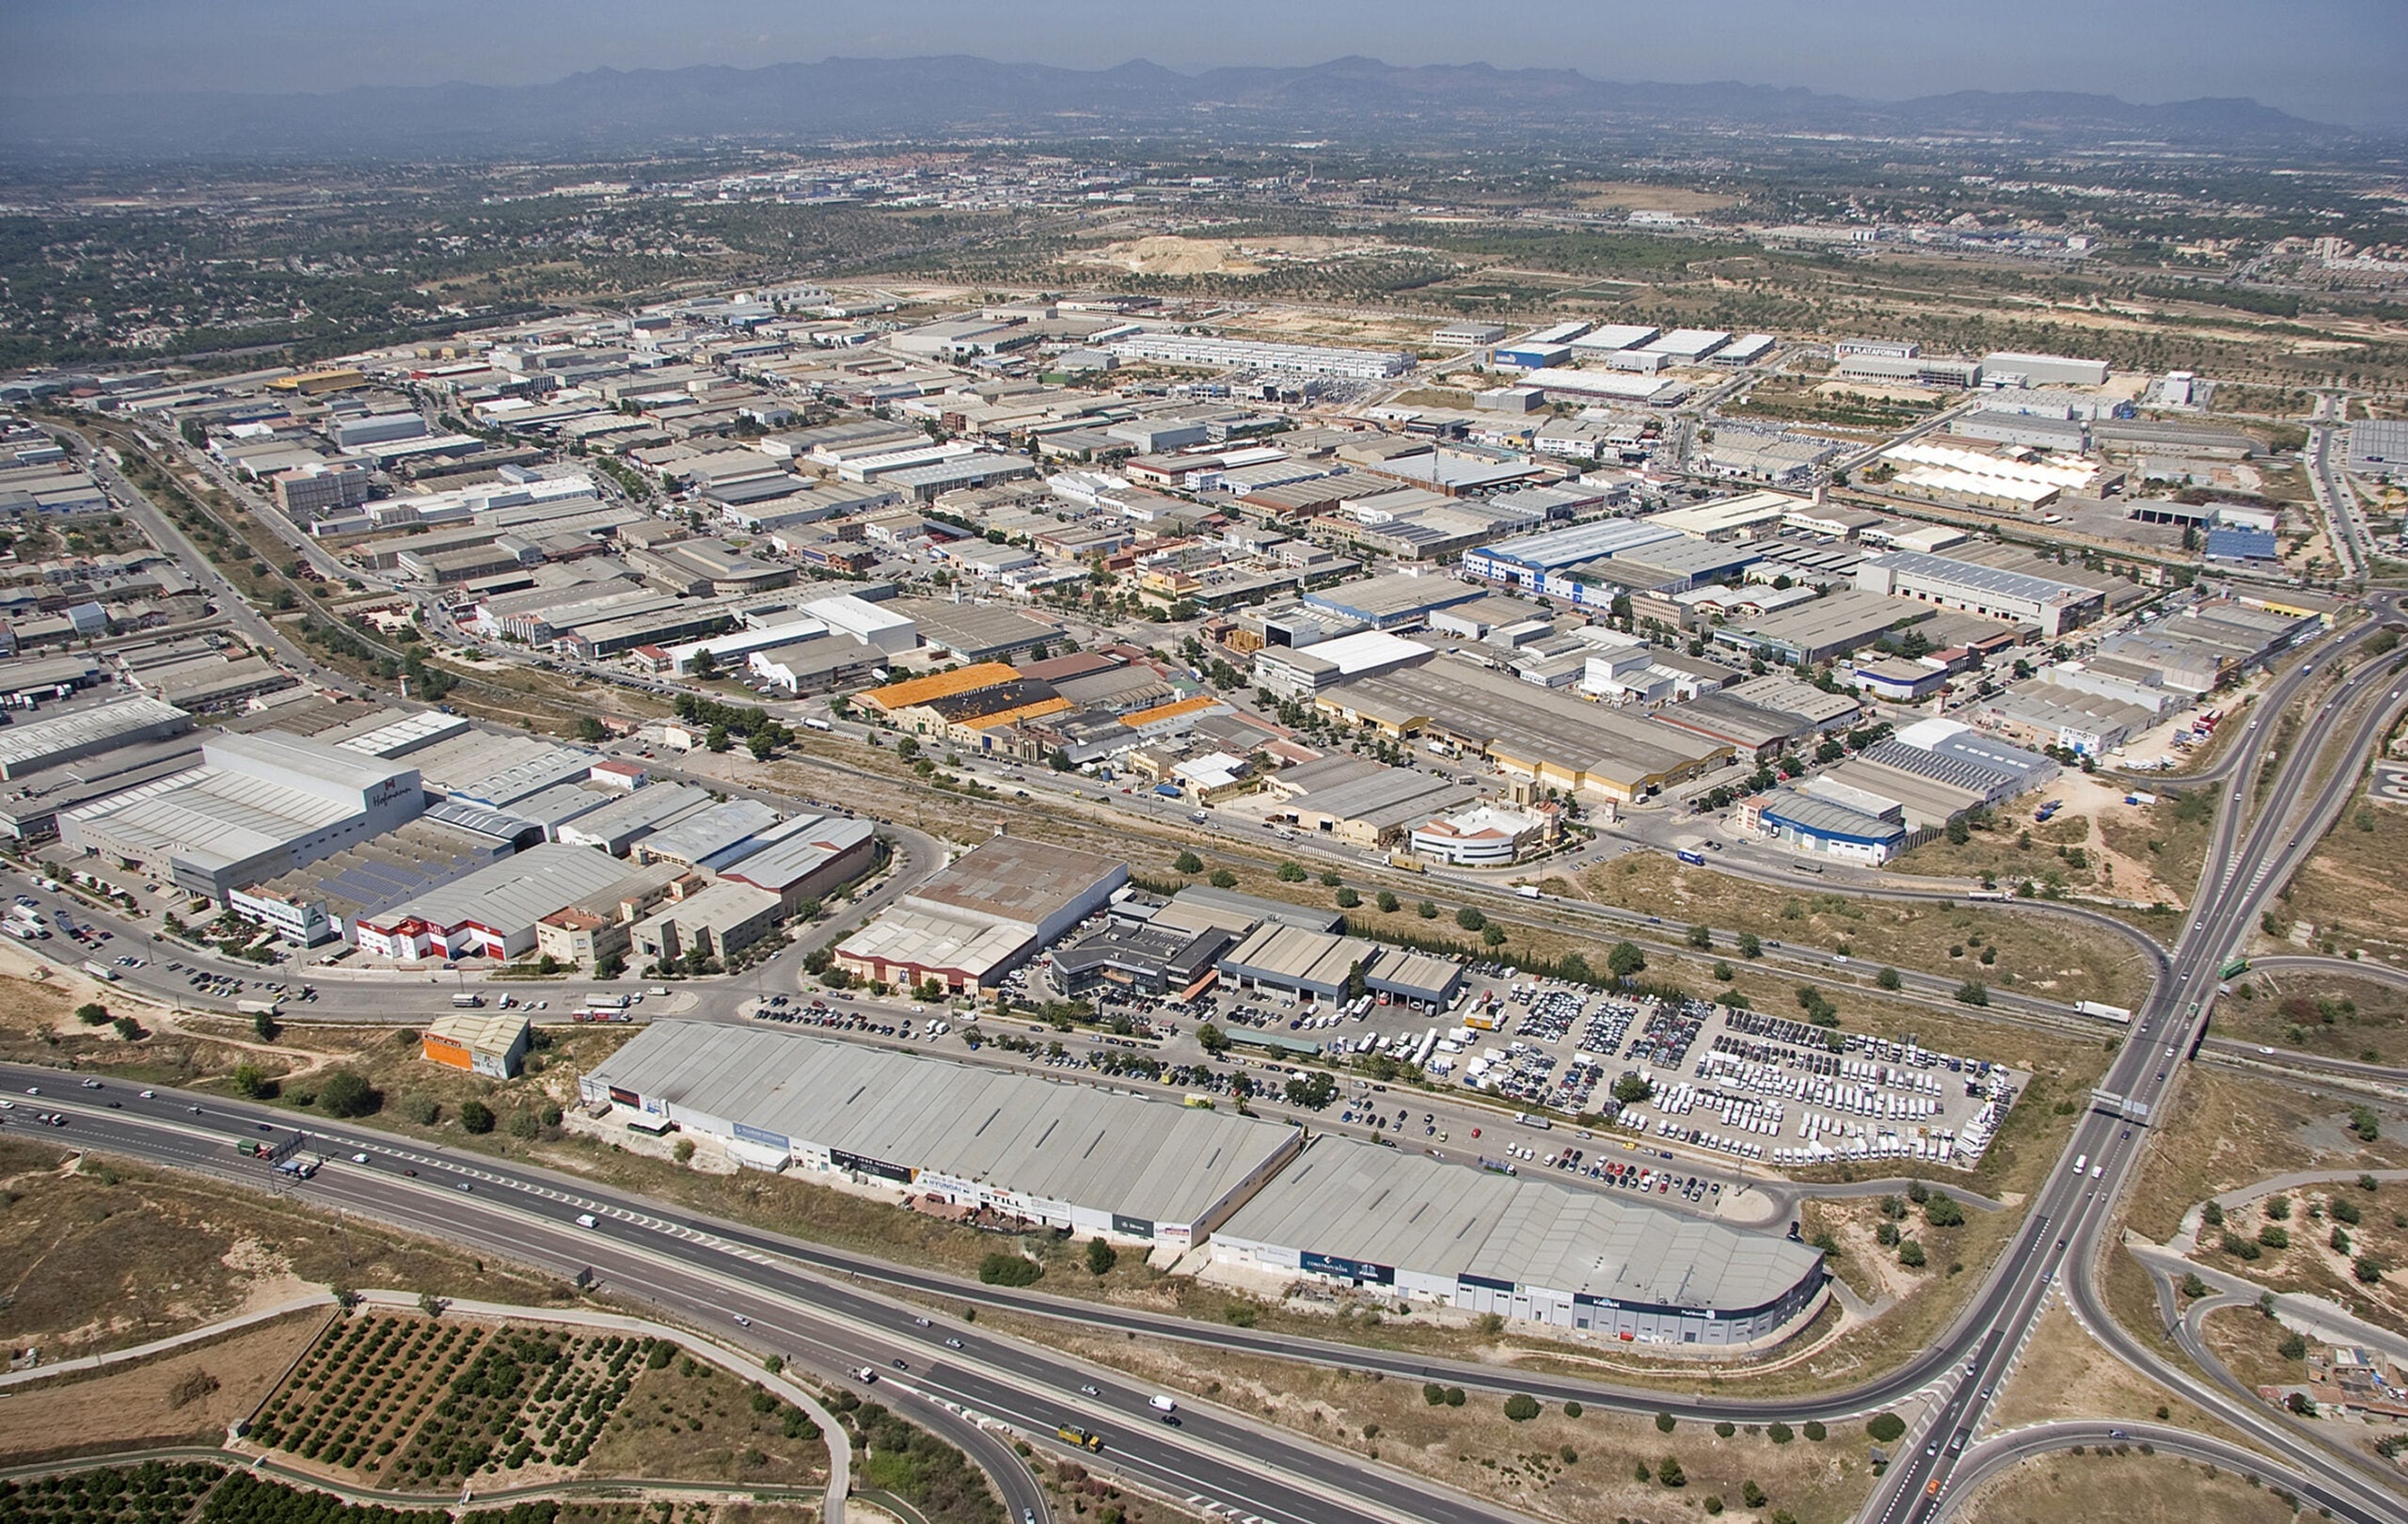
1522,1249
983,916
491,911
1066,1155
257,805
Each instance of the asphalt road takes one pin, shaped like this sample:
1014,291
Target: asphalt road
701,1271
1991,1456
2247,859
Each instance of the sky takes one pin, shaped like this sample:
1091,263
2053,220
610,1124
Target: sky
2328,60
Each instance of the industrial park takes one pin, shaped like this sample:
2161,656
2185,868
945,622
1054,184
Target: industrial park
1271,808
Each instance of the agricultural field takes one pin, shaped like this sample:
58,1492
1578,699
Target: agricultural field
425,1403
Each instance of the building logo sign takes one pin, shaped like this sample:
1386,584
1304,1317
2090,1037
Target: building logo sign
1131,1227
750,1133
1355,1270
863,1164
627,1098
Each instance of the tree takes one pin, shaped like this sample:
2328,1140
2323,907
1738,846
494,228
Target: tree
906,747
1292,872
1213,1040
717,740
1701,936
1664,1422
762,745
129,1029
1434,1394
1492,935
1329,879
91,1014
1521,1407
590,730
1910,1254
1349,899
683,1152
2368,1269
1667,1471
1623,960
1426,910
476,1116
1887,979
1749,946
347,1093
2194,1286
1959,832
1632,1088
1224,879
526,1126
1469,918
1101,1257
1973,992
1943,1212
1188,864
251,1082
1752,1495
1779,1433
2274,1237
1388,902
1886,1427
1001,1269
706,664
2301,1404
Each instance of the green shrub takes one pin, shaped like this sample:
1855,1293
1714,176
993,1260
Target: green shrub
1001,1269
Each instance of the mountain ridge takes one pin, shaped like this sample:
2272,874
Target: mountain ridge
605,111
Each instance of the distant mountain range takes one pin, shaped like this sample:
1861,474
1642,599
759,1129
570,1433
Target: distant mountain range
608,113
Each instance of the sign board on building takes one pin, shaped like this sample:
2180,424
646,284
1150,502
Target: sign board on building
1357,1270
1131,1227
766,1139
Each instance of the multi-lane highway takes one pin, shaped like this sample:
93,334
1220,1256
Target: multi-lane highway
2247,859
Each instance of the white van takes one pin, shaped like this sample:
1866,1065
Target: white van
585,1219
1160,1404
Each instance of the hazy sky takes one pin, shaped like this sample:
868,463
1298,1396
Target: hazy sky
2330,60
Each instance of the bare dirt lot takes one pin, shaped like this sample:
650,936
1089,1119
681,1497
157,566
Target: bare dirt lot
102,1255
187,1396
1172,254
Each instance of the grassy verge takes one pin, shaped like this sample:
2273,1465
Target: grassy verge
2350,894
1554,1463
2229,1130
2047,958
106,1254
2099,1488
2329,1014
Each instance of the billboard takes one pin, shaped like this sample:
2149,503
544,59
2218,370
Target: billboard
1355,1270
627,1098
901,1174
765,1139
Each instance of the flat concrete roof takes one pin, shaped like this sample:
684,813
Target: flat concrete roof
1106,1151
1012,879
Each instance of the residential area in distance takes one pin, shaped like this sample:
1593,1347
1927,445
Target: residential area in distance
1246,830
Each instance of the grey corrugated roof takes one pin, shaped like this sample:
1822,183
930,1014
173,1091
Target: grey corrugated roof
1389,1207
1098,1149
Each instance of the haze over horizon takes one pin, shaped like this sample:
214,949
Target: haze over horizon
2336,61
